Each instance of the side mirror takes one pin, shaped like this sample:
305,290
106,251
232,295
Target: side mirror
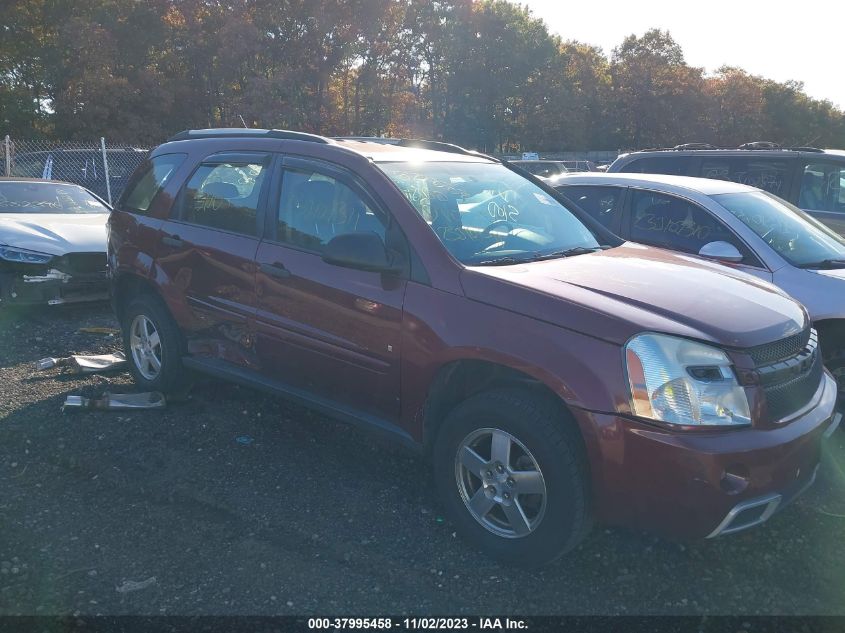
362,251
721,251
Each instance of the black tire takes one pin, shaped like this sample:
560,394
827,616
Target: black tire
835,363
172,375
556,447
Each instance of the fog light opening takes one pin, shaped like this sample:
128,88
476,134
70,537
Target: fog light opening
735,479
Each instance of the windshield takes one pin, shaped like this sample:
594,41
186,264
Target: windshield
42,197
486,214
799,238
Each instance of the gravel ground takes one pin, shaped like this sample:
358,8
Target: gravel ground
237,503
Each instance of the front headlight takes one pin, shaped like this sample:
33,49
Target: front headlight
22,256
677,381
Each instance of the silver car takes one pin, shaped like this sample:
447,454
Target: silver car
740,226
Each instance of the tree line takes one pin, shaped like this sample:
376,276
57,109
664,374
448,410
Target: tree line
486,74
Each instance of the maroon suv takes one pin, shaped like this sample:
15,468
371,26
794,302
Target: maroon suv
553,373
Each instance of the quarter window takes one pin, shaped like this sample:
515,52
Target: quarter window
224,196
673,165
315,207
148,181
676,224
822,188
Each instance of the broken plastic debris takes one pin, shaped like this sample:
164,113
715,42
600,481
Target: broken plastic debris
117,401
109,331
135,585
52,275
85,364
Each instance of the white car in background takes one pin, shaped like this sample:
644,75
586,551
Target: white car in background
742,227
52,243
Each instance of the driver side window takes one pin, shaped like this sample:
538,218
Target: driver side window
676,224
314,207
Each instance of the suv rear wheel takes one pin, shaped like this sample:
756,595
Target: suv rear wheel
153,345
513,476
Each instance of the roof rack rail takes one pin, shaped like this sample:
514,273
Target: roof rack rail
440,146
695,146
755,145
807,149
228,132
382,140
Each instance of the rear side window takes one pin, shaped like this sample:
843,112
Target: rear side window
771,175
224,196
600,202
672,165
148,181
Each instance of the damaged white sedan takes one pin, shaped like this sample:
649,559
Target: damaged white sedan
52,243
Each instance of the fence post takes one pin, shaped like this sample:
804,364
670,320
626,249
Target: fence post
8,157
106,168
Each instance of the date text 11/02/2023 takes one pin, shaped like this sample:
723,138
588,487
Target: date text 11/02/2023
422,623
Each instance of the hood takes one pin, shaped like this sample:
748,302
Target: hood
623,291
55,233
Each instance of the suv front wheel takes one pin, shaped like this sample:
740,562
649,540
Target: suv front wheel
512,474
153,345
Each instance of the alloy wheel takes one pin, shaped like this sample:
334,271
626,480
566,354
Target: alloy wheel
145,346
500,483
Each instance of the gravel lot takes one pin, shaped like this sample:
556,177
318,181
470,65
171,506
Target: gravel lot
166,512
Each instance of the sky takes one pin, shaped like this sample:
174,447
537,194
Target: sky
778,40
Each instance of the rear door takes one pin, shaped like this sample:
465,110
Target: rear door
206,251
331,332
821,191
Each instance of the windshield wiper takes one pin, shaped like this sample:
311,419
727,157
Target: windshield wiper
569,252
502,261
537,257
825,264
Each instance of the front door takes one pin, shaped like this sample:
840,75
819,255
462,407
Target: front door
329,331
821,192
206,253
677,224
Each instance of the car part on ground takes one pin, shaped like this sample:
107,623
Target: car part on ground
324,270
85,364
116,402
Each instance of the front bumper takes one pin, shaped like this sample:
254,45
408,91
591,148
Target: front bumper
51,287
703,484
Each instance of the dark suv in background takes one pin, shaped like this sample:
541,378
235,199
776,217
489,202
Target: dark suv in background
551,372
811,179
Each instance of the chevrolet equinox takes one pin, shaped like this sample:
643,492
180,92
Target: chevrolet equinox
553,373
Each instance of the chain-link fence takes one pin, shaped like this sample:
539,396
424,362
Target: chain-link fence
99,166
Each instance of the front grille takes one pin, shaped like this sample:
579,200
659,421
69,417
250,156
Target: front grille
779,350
81,263
787,397
790,371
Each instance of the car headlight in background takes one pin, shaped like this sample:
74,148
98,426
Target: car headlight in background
677,381
22,256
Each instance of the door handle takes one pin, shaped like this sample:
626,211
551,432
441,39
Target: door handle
275,269
172,241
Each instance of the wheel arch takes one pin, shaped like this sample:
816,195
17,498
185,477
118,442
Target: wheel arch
127,285
831,334
459,379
